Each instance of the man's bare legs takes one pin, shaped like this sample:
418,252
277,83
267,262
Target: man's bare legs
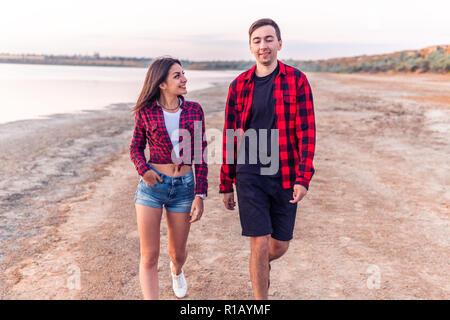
263,250
277,248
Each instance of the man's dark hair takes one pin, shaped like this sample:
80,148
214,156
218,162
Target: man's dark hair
264,22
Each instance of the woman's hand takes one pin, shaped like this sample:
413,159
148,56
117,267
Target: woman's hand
196,209
151,177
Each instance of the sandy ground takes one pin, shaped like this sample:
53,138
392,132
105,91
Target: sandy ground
374,224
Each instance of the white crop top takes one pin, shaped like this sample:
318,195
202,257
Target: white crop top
172,122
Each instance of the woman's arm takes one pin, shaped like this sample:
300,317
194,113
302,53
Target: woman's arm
201,169
138,144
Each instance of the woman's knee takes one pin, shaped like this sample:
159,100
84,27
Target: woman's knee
177,256
150,259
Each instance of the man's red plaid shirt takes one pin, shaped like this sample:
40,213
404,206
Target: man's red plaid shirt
294,111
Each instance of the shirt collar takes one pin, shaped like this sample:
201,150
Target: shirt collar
251,72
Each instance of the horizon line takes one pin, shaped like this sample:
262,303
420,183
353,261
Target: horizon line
97,54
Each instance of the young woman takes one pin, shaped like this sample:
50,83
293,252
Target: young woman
170,125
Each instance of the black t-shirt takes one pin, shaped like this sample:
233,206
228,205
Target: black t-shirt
262,116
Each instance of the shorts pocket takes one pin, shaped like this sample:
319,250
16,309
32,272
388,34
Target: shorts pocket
150,186
189,182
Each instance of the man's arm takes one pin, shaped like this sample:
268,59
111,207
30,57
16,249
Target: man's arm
306,133
228,170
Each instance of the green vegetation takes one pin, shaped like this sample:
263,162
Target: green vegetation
437,61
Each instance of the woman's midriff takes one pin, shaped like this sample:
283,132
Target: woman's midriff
171,169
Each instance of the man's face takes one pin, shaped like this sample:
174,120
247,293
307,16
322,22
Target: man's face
265,45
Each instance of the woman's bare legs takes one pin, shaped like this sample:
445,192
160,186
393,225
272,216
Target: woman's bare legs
149,221
178,227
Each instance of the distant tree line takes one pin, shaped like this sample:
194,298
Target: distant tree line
218,65
437,61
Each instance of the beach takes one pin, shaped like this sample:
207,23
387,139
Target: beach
373,225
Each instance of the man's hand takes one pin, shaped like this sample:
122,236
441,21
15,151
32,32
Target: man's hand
196,209
151,177
299,193
228,200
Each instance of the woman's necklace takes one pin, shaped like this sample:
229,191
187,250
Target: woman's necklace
169,109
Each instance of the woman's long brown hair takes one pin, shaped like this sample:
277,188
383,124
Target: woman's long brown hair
156,74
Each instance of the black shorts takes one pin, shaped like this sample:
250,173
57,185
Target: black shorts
264,206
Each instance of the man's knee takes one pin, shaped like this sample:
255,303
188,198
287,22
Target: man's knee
278,248
261,243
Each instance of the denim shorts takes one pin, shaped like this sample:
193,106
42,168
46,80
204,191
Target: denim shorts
174,193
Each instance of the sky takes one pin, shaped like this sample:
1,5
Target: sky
218,30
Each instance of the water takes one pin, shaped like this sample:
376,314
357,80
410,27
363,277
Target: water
35,91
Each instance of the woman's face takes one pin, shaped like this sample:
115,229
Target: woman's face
175,83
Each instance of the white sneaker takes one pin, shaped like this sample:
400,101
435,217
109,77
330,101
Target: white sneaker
178,283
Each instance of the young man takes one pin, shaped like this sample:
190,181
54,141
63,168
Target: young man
274,99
